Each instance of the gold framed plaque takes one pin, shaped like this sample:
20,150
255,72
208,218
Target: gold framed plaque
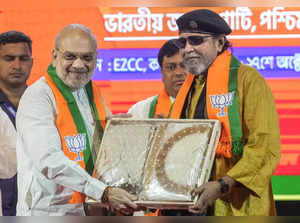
159,160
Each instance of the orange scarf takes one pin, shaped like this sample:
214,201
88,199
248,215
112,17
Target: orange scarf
160,105
221,102
68,129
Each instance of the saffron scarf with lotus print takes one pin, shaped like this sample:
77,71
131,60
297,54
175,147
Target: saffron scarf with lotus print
221,102
71,126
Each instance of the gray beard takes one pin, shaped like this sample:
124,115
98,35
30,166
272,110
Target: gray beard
197,70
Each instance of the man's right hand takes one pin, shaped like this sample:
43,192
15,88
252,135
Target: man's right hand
121,201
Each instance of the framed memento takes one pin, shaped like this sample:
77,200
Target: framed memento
159,160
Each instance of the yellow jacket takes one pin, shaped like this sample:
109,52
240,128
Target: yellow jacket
261,153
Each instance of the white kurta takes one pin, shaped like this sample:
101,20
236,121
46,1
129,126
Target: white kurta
141,109
46,177
8,136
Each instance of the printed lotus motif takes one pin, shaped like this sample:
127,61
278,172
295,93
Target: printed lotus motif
221,101
76,144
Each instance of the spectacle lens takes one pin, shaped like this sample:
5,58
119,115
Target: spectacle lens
192,40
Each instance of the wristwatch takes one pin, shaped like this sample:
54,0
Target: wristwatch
224,186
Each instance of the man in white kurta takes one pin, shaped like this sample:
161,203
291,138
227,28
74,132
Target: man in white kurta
39,187
48,178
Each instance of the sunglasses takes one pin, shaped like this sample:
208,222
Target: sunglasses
192,40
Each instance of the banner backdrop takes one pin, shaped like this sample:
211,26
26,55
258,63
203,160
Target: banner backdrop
129,38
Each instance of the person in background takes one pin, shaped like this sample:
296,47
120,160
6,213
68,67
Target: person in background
173,75
159,106
15,67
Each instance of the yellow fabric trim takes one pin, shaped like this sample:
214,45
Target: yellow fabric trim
198,88
287,197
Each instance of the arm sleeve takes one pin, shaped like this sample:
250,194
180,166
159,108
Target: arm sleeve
42,145
259,119
141,109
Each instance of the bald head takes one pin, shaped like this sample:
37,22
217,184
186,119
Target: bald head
75,55
76,31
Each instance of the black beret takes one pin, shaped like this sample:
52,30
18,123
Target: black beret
202,21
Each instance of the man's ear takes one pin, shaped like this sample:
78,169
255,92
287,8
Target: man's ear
220,43
54,57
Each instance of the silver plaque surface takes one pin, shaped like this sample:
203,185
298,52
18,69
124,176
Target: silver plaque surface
159,160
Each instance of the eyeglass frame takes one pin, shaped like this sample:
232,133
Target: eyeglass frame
77,55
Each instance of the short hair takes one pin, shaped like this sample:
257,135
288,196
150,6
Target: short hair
170,48
15,37
75,26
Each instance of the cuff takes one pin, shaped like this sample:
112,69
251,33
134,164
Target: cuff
94,189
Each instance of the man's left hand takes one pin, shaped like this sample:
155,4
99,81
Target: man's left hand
208,193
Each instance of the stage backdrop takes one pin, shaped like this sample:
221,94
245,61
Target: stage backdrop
127,69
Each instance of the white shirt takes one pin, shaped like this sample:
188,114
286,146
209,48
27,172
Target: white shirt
8,136
141,109
46,177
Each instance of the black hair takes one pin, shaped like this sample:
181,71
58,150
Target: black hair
227,45
170,48
15,37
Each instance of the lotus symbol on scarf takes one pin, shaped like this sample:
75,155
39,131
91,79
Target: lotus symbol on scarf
76,144
221,101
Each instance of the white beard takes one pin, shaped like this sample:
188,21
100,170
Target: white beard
197,63
74,83
196,70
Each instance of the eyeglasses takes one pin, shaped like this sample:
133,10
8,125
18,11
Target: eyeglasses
71,57
192,40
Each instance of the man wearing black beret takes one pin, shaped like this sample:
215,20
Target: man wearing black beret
220,87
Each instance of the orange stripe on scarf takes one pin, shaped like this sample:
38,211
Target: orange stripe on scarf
181,96
99,105
164,104
217,83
